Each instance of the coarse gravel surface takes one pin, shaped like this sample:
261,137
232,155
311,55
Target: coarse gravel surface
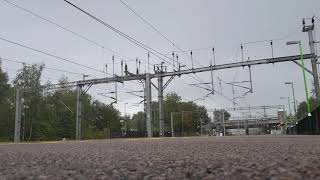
244,157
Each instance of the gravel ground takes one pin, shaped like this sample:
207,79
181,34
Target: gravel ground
250,157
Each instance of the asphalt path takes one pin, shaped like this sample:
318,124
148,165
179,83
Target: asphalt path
247,157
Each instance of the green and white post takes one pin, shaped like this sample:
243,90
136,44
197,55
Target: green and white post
305,81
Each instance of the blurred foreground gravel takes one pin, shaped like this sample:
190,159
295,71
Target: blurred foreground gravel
250,157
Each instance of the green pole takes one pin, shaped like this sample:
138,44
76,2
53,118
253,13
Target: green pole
305,80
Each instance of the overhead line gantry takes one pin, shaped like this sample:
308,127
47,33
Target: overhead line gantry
160,75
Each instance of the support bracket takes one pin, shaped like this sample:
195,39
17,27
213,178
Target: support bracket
154,85
302,67
87,88
168,82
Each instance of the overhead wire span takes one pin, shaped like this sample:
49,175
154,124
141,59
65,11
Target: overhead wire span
149,24
194,50
66,29
197,78
42,76
268,40
48,54
117,54
138,43
45,67
155,29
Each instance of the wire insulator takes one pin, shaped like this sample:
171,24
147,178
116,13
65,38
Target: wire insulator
271,44
241,52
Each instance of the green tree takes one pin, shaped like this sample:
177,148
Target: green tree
187,116
6,107
50,115
218,115
28,80
302,108
139,121
61,117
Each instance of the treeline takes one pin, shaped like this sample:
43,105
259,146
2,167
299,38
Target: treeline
50,115
187,117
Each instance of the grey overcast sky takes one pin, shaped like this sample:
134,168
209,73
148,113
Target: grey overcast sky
191,24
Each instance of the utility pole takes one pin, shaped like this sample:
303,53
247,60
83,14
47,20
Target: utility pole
310,29
159,72
289,107
148,62
293,96
264,112
214,61
201,126
182,124
172,131
78,114
125,109
115,83
148,104
294,101
17,124
160,101
224,125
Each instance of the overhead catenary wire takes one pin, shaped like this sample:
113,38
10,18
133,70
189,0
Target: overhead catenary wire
271,41
77,34
197,78
155,29
142,45
149,24
117,54
67,29
267,40
138,43
45,67
194,50
49,54
42,76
